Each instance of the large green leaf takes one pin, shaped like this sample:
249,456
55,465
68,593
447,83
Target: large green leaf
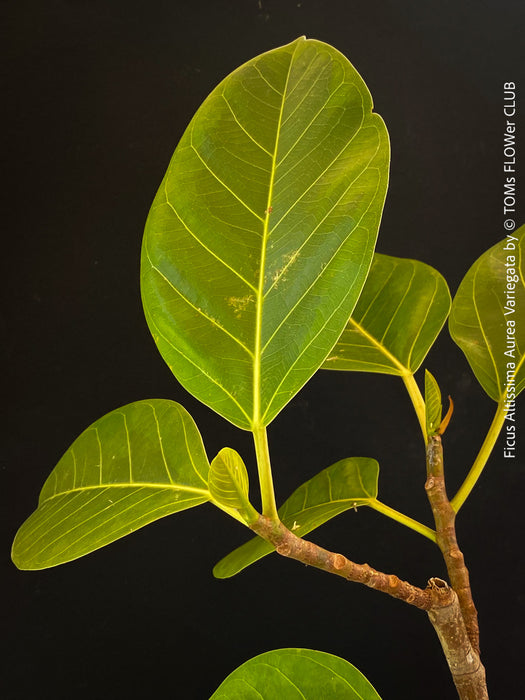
486,320
346,484
135,465
400,312
296,674
260,238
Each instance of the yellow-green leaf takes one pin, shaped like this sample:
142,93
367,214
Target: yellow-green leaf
261,235
487,314
136,464
433,406
295,674
346,484
400,312
228,485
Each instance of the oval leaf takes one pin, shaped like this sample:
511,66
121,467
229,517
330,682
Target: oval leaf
400,312
433,406
228,485
296,674
261,235
486,320
346,484
131,467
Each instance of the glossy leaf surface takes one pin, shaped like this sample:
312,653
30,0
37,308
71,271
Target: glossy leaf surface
133,466
400,312
433,405
261,235
296,674
346,484
486,320
228,485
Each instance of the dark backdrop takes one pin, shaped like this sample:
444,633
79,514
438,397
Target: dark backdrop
96,98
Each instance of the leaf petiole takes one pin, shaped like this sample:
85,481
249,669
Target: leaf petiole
482,457
417,401
262,453
403,519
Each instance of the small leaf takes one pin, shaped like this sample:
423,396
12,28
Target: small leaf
346,484
228,485
136,464
260,237
296,674
486,320
433,407
400,312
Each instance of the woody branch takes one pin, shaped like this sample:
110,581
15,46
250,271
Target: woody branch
444,517
438,599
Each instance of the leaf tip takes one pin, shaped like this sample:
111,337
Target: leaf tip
222,572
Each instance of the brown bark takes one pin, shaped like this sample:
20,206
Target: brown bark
289,545
463,661
444,517
438,599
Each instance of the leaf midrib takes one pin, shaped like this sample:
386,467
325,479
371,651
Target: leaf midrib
260,290
129,485
404,371
513,379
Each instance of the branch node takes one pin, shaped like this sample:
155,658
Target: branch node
339,562
393,581
429,484
284,549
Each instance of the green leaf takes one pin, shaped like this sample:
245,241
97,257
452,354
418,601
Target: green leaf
136,464
260,238
486,320
400,312
296,674
228,485
433,407
346,484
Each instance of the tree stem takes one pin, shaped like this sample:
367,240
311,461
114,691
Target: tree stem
444,517
463,661
289,545
438,599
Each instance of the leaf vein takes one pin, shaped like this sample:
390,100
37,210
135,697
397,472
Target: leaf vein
213,321
239,124
239,199
199,368
200,242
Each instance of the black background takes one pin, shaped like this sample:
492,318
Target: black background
96,98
